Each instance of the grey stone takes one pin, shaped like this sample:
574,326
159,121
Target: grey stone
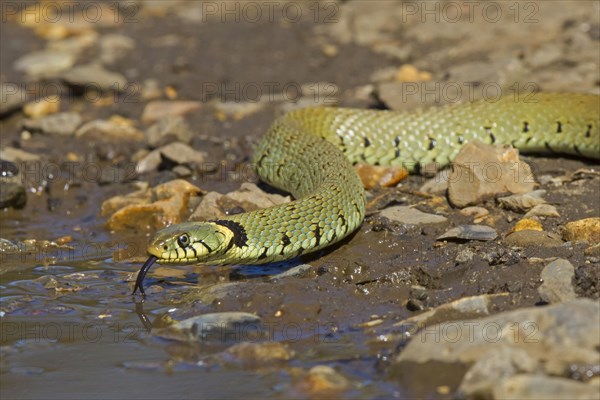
557,283
470,232
94,76
169,129
114,46
223,327
542,210
411,216
523,202
45,63
534,387
55,124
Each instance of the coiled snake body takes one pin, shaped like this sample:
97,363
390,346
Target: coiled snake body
310,153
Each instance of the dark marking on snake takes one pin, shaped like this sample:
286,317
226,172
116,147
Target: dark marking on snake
367,142
239,233
558,127
525,127
588,133
576,148
547,145
397,153
488,129
263,254
207,247
194,250
460,139
285,240
528,139
397,146
318,234
432,144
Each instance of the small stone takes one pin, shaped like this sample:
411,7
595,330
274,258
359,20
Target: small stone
112,128
45,63
294,271
410,73
94,76
475,212
169,129
237,110
470,232
523,202
155,110
322,380
180,153
542,210
42,107
587,229
527,223
258,354
378,176
209,208
464,256
436,185
56,124
411,216
221,327
472,181
114,46
557,283
12,195
533,238
151,90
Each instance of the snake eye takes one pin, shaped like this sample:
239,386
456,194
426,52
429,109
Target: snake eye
183,240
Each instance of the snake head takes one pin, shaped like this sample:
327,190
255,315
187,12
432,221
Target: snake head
190,242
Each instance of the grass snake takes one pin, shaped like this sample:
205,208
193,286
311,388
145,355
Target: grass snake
310,153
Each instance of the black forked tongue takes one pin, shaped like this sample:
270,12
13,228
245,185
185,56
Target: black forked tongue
142,274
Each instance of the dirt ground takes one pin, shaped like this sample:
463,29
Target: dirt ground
70,326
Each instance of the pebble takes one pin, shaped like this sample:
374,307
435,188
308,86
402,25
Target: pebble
237,110
523,202
534,387
56,124
12,195
114,47
472,180
410,73
533,238
42,107
378,176
557,283
220,327
115,128
470,232
436,185
181,153
587,229
266,354
94,76
526,224
172,128
155,110
411,216
45,64
542,210
322,381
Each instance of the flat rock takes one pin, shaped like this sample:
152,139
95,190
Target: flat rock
411,216
94,76
481,171
172,128
523,202
470,232
45,63
222,327
181,153
14,155
156,110
154,208
542,210
109,128
532,238
496,348
557,283
55,124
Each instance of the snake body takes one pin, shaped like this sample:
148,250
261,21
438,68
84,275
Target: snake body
310,153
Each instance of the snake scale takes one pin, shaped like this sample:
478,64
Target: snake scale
310,153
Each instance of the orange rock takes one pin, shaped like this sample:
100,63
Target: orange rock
378,176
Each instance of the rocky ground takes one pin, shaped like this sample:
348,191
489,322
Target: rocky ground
119,118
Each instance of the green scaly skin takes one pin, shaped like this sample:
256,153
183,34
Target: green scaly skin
310,153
